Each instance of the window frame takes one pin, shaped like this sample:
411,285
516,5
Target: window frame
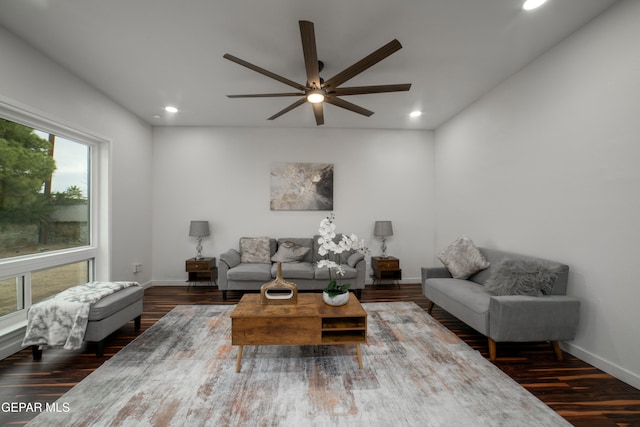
97,252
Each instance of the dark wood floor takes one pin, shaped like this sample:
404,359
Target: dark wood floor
582,394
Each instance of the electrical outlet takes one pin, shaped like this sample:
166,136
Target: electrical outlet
137,268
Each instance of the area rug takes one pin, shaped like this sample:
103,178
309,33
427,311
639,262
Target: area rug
181,372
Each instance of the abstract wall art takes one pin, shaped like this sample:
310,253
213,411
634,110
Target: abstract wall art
302,186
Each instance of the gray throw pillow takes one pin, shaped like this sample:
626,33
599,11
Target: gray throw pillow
521,277
255,250
290,252
462,258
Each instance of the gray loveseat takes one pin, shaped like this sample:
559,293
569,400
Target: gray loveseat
236,274
550,317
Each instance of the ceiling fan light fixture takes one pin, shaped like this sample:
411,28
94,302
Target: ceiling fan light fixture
316,96
533,4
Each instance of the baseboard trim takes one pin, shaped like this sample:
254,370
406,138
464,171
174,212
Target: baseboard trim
631,378
11,342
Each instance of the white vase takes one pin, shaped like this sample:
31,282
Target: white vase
340,299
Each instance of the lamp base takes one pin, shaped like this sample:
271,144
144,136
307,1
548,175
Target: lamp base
383,248
199,249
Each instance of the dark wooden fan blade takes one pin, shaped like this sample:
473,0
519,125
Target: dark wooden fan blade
265,95
318,111
363,64
348,105
264,72
310,53
298,103
363,90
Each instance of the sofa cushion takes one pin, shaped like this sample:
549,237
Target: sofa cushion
115,302
323,273
466,300
462,258
521,277
294,270
292,251
250,271
255,250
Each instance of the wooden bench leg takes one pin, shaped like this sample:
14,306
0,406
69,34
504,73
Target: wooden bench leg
492,350
430,307
36,352
556,349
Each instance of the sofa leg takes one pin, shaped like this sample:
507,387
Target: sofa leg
556,349
137,322
358,293
430,307
224,295
36,352
100,348
492,350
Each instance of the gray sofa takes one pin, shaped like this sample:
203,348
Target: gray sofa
235,275
550,317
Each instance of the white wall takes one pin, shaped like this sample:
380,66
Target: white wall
223,175
30,80
547,164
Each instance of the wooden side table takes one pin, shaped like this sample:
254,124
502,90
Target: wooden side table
201,270
385,269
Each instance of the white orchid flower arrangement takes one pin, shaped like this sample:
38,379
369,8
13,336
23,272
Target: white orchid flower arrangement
327,244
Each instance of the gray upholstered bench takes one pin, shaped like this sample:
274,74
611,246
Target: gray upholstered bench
108,315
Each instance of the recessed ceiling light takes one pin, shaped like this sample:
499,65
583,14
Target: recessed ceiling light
156,116
533,4
170,109
415,113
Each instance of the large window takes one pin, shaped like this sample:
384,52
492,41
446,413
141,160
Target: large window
47,235
44,198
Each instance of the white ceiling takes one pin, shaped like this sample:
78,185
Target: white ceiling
145,54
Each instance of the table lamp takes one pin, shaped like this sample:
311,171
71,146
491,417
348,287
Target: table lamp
383,229
199,229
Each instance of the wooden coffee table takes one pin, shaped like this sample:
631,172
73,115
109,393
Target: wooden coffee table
309,322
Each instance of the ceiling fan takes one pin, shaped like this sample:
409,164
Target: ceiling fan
316,91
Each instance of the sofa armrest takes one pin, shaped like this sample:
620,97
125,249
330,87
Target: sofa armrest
231,258
528,318
228,260
360,264
435,272
355,258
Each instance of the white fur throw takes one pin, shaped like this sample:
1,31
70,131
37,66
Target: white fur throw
520,277
61,321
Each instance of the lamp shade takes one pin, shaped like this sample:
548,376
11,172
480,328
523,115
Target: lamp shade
383,229
199,228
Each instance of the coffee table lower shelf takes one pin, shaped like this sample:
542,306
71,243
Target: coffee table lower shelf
309,322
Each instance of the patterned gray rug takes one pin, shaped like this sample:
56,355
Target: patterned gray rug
181,372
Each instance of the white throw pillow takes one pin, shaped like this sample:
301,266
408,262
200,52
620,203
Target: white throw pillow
462,258
255,250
